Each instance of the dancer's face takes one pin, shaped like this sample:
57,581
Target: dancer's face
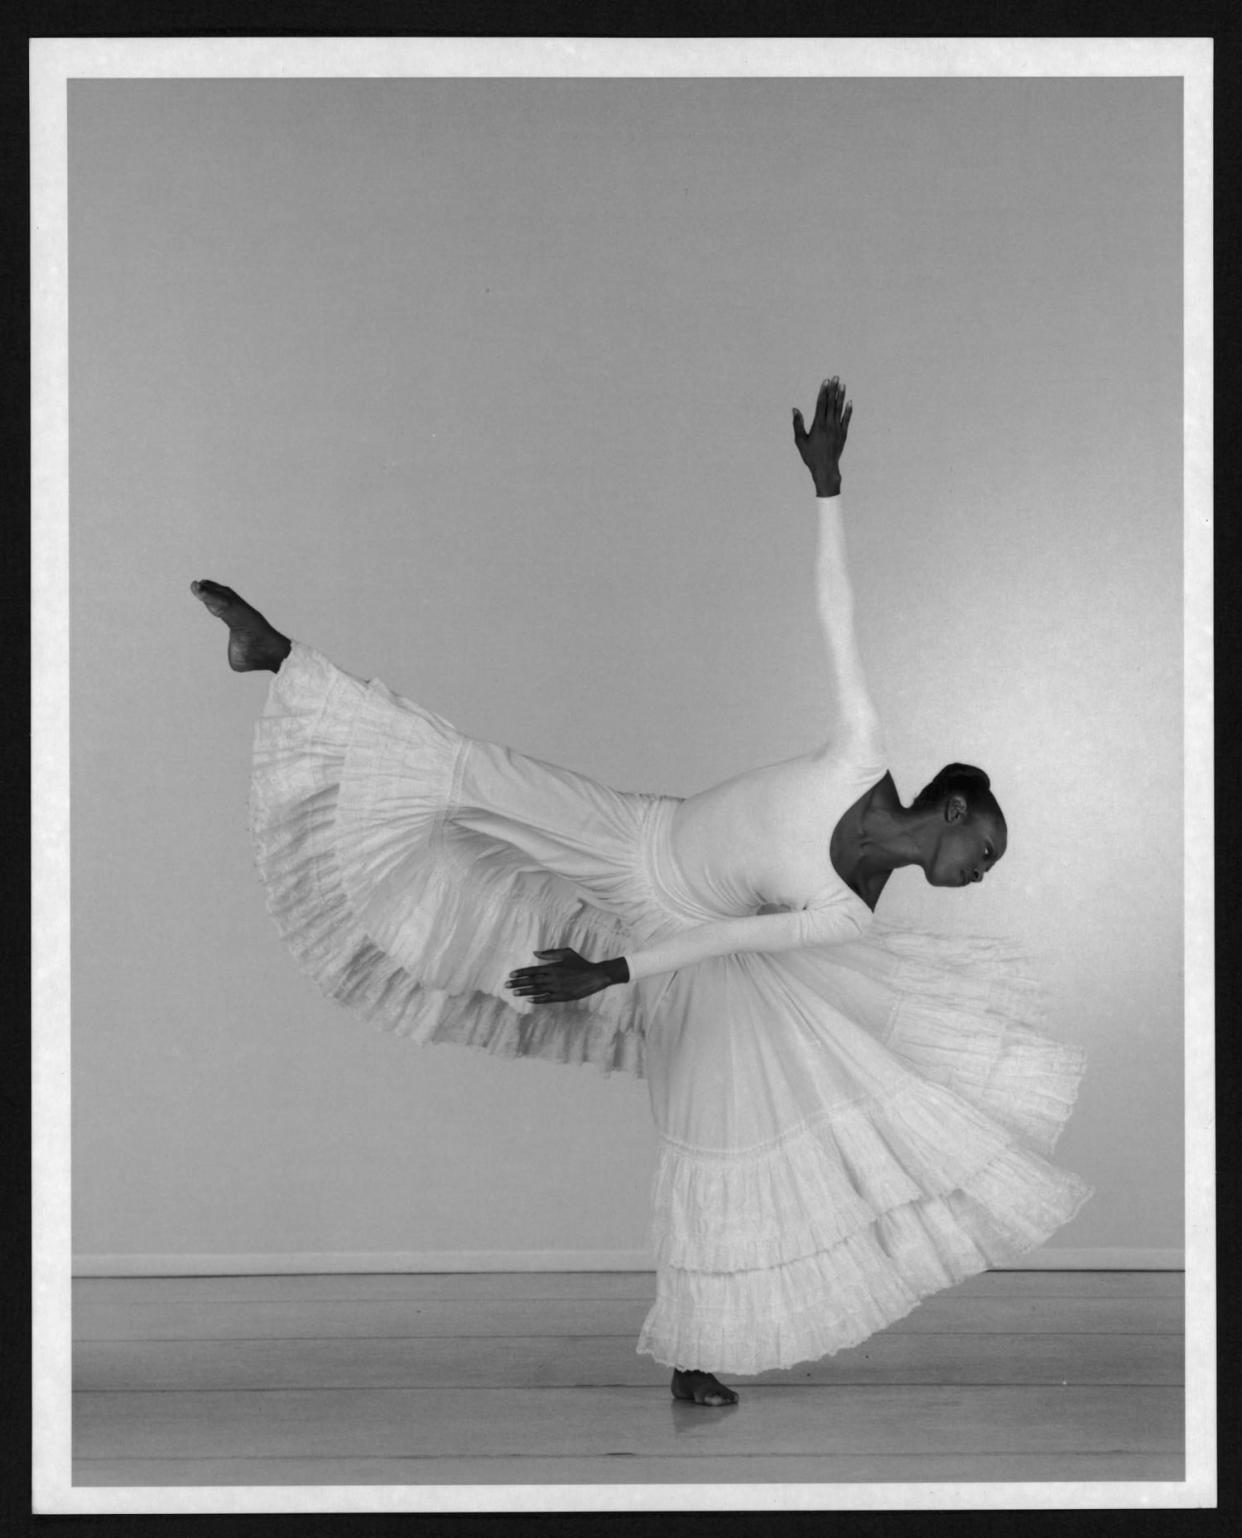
968,847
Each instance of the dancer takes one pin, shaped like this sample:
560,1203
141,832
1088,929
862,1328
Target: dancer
842,1106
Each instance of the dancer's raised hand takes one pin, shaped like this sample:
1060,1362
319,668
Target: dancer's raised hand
564,975
821,446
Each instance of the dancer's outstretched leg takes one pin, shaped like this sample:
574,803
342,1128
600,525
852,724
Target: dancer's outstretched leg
701,1388
253,643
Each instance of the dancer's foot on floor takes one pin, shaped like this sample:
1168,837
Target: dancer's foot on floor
703,1388
253,643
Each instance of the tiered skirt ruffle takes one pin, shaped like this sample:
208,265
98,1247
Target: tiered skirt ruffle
843,1130
780,1254
396,914
910,1100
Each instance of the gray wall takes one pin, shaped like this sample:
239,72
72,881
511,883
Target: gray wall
483,387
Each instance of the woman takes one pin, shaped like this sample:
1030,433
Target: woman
839,1104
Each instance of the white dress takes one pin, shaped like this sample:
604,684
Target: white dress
851,1115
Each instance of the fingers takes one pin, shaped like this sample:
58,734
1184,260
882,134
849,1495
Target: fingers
845,418
829,403
538,984
557,958
538,990
799,426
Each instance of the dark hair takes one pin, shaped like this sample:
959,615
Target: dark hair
971,782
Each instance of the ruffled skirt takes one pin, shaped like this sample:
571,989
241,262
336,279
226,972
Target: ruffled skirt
843,1130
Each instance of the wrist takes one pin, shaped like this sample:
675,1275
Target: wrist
617,970
828,484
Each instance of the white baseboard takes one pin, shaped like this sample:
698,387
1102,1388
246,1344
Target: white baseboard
1101,1259
356,1262
529,1260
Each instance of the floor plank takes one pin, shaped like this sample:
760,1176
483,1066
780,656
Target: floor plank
493,1378
464,1423
390,1319
513,1285
539,1362
869,1469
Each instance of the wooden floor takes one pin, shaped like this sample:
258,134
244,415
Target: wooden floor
533,1378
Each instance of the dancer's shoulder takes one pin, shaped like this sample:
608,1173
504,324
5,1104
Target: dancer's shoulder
856,743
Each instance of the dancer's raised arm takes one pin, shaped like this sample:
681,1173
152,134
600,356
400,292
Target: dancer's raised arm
853,726
851,713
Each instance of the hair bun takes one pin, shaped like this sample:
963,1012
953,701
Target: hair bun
967,778
965,772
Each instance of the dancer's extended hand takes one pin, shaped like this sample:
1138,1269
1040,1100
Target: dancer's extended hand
821,446
565,975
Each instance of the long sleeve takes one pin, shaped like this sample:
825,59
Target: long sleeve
760,932
852,709
781,817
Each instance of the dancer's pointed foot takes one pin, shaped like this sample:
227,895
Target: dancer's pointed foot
701,1388
253,643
